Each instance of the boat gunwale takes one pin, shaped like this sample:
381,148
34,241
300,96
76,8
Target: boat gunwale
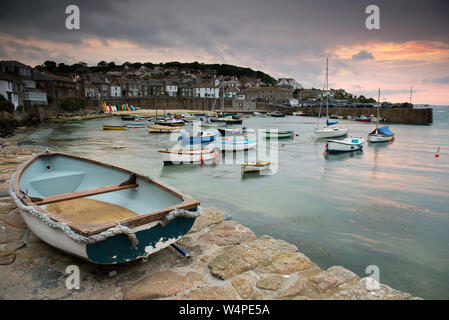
89,230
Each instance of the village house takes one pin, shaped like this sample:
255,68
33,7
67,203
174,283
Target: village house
206,91
289,82
171,88
115,89
25,86
8,89
268,94
185,91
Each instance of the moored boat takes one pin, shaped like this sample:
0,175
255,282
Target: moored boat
235,144
188,156
162,129
236,132
128,118
274,134
170,122
345,145
136,125
256,166
363,119
99,212
382,134
203,137
277,115
227,120
113,127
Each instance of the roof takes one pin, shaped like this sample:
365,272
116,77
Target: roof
41,76
13,63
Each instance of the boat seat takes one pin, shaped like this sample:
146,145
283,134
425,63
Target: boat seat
89,211
128,184
52,182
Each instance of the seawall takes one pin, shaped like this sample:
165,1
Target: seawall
228,262
392,115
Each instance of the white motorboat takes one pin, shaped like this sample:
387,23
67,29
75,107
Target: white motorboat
346,145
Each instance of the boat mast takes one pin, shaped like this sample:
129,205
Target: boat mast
327,89
411,92
321,100
378,107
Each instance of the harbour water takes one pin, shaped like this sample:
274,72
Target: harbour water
386,206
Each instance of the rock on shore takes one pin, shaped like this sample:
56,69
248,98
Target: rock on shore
227,262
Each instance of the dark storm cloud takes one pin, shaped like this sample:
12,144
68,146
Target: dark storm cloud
275,36
363,55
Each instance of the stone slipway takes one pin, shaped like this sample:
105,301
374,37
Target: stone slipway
227,262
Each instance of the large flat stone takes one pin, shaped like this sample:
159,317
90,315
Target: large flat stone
9,234
270,282
227,233
243,286
161,285
368,289
332,278
209,216
247,256
14,219
287,263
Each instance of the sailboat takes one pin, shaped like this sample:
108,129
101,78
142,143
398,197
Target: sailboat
330,130
382,134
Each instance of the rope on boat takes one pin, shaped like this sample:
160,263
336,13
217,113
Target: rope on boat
179,213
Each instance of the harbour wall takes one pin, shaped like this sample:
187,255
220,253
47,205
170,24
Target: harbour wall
392,115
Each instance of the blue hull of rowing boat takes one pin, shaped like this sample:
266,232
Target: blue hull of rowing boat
117,249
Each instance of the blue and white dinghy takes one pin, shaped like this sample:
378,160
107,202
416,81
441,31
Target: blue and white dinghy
97,211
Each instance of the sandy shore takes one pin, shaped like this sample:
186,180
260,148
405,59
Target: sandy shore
227,262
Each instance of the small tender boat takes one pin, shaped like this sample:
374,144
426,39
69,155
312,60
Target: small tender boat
113,127
277,115
255,166
162,129
128,118
136,125
97,211
170,122
345,145
188,156
279,134
144,118
258,114
362,119
227,120
236,132
203,137
235,144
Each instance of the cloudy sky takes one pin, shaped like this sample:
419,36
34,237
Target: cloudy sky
284,38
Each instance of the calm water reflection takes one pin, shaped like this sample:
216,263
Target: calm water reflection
386,205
